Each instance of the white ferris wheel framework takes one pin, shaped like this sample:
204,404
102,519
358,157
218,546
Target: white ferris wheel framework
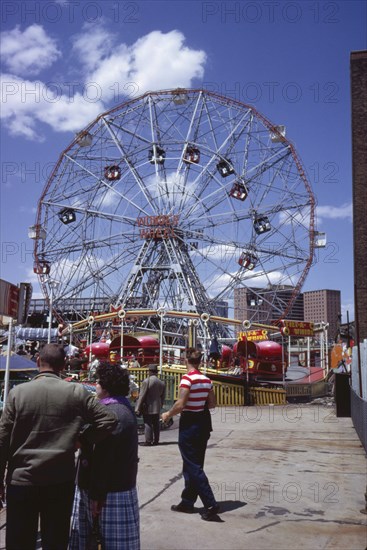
171,201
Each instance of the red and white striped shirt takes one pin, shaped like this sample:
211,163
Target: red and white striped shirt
199,386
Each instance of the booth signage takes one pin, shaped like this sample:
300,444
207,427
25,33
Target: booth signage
253,335
298,328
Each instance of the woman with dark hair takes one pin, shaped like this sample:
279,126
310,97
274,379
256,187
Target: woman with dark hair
107,497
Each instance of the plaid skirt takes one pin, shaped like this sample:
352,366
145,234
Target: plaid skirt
118,522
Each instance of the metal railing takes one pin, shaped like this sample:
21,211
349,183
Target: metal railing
226,394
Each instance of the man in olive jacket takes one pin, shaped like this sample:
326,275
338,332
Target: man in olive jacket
150,402
39,432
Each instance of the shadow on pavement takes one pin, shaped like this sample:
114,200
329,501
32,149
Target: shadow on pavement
229,505
161,443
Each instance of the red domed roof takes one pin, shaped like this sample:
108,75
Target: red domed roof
226,353
99,349
148,342
130,344
264,350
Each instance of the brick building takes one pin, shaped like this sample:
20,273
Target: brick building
323,305
263,305
358,75
315,305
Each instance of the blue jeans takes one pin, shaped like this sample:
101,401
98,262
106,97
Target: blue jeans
192,441
26,503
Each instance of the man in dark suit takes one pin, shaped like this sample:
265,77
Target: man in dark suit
149,403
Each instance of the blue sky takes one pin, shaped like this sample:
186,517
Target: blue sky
65,62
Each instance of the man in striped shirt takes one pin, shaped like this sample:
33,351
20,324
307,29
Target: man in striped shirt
196,397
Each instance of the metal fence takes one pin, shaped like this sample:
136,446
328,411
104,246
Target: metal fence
359,391
359,416
226,394
266,396
317,389
362,354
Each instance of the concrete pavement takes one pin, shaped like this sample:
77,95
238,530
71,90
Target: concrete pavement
287,477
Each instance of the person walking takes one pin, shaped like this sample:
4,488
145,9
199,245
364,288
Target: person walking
107,499
196,397
149,403
39,429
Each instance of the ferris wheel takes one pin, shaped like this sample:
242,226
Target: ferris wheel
173,200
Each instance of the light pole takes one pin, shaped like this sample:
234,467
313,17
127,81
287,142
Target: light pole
205,318
161,312
122,314
52,284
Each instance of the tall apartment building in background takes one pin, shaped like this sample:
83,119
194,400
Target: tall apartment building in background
255,304
323,305
314,305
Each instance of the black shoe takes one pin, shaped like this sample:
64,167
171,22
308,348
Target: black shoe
211,514
182,507
145,444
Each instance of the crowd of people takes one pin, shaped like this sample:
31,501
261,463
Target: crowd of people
47,422
29,349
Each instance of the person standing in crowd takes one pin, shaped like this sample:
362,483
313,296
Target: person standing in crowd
71,350
133,363
94,364
196,397
76,362
21,350
39,429
34,349
107,494
149,403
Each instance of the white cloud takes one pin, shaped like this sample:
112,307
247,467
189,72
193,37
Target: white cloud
288,216
217,284
27,103
108,199
175,186
162,61
93,45
33,279
155,61
28,52
223,251
343,212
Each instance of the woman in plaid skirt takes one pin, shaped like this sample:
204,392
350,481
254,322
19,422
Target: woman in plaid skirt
106,505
